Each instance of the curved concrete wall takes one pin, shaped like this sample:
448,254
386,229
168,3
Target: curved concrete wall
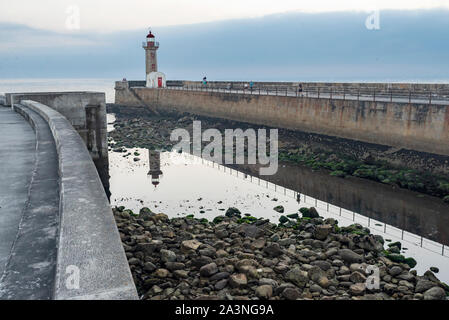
89,241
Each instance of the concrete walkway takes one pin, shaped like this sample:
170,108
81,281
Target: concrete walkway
29,206
17,152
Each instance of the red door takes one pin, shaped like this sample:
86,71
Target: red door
159,82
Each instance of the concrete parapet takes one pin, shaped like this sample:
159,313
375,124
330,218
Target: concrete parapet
88,237
86,112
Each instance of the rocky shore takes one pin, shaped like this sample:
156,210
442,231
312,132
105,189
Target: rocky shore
239,257
406,169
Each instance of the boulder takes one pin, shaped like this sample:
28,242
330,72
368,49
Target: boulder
435,293
298,277
350,256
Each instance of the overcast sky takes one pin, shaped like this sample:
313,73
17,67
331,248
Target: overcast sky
114,15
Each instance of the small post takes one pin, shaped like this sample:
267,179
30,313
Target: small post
430,97
385,228
353,216
421,242
316,202
318,92
442,251
344,93
409,96
374,95
369,221
340,212
402,235
285,191
328,207
331,94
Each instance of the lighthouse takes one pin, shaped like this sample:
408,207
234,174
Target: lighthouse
154,78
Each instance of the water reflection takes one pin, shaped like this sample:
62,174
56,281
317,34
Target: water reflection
417,213
194,186
155,166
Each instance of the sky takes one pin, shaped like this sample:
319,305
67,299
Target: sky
228,40
115,15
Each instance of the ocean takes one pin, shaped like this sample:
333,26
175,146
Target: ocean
47,85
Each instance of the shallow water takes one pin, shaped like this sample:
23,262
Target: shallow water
190,185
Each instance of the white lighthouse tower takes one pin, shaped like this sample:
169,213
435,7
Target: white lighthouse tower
154,78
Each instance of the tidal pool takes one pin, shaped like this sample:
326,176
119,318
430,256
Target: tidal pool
189,185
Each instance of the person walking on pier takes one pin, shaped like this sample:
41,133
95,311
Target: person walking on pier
204,80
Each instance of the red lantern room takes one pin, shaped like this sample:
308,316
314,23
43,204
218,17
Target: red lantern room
150,39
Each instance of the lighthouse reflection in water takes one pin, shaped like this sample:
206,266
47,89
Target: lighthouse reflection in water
155,172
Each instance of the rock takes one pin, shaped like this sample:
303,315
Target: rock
357,277
149,248
322,231
283,219
258,244
315,288
161,273
395,271
309,213
209,252
221,284
181,274
201,261
159,217
435,293
208,269
250,231
133,261
150,267
291,293
317,275
219,276
273,250
279,209
221,233
434,269
297,276
423,285
168,256
238,280
174,266
264,291
350,256
145,213
271,282
188,245
233,212
324,265
357,289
